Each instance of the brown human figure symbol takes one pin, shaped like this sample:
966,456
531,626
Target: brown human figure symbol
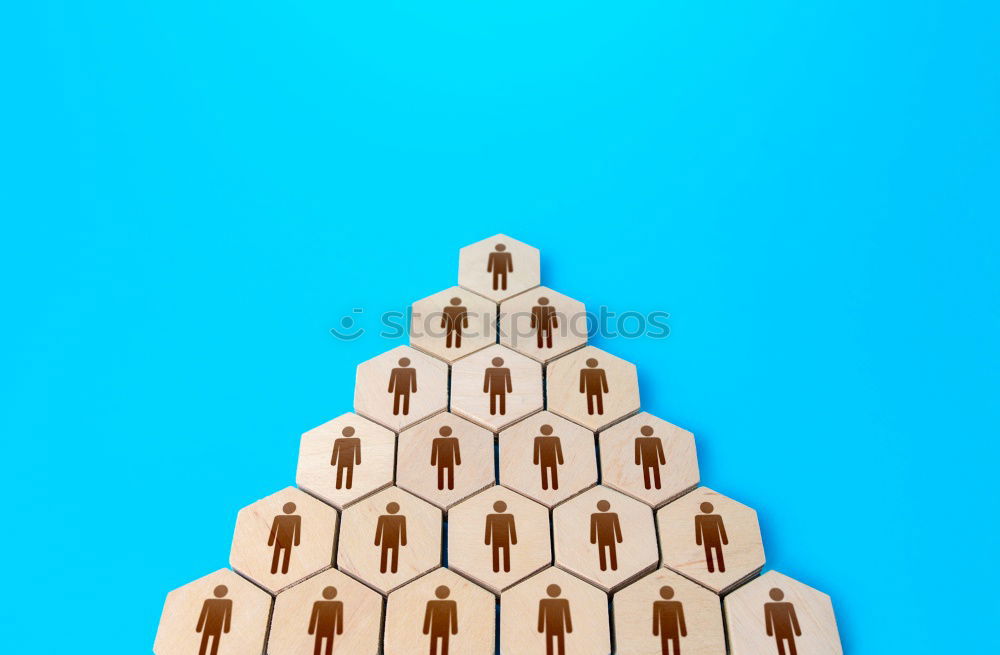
548,456
500,263
346,455
454,318
390,534
441,620
554,620
286,533
501,533
781,622
402,382
668,621
606,532
710,532
594,383
544,321
649,455
497,383
445,455
215,620
326,621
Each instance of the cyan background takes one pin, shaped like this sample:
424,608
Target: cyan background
194,193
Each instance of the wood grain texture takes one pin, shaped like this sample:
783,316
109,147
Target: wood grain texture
725,524
408,631
401,387
307,615
543,324
583,524
593,396
476,270
508,401
549,468
517,529
248,614
669,602
262,528
748,607
450,330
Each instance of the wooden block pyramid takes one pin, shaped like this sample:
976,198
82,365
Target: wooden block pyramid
497,462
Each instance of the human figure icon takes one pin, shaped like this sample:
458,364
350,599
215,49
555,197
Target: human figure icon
501,533
286,533
500,263
326,621
390,534
781,622
649,455
548,456
346,455
554,620
710,532
402,382
454,318
445,455
215,620
668,621
497,383
606,532
544,321
594,383
441,620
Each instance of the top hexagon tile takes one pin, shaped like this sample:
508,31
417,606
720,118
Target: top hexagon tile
499,267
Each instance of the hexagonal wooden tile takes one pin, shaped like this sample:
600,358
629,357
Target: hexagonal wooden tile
543,324
499,267
440,613
592,388
401,387
711,539
346,459
329,612
556,613
445,459
775,615
605,537
389,539
283,538
498,537
496,387
547,458
220,613
649,459
453,323
667,613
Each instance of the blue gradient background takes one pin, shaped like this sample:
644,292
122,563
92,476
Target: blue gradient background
194,193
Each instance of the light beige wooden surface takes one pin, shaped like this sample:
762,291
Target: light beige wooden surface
358,554
268,534
742,548
686,616
248,613
547,467
407,609
591,517
517,529
543,324
748,607
346,459
587,632
649,459
326,605
393,370
474,267
450,330
445,459
468,384
566,376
